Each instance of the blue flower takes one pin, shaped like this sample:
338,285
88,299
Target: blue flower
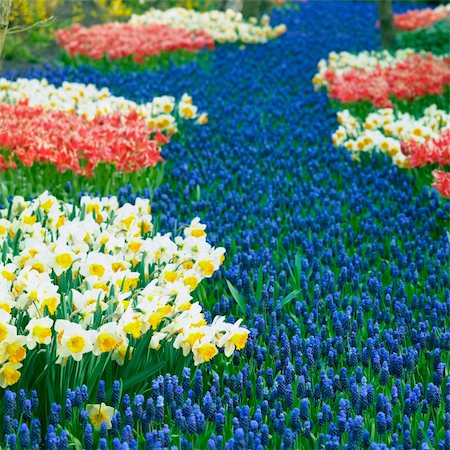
88,437
101,392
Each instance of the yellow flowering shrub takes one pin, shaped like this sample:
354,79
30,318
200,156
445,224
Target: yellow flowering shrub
28,12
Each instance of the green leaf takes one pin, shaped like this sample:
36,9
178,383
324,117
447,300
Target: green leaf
237,296
290,297
259,287
139,377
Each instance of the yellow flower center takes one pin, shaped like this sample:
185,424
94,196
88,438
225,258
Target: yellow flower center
11,375
98,418
239,340
60,221
128,221
155,319
76,344
192,282
47,205
41,333
203,120
198,233
166,309
3,332
39,267
107,342
118,266
29,220
50,303
64,260
16,353
145,226
8,275
129,283
134,246
125,304
5,307
208,351
162,123
93,208
134,328
207,267
170,276
392,152
185,306
101,286
123,352
97,269
187,112
194,337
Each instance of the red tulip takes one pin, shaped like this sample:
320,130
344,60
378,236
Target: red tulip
419,18
71,142
119,40
442,182
432,151
417,75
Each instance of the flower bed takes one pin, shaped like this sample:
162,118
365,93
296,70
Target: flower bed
421,18
88,101
81,131
399,135
82,282
73,143
434,150
227,26
339,270
147,38
378,77
410,142
120,40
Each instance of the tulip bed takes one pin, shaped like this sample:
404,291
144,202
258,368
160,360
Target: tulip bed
158,38
426,29
326,326
120,40
79,136
377,77
421,18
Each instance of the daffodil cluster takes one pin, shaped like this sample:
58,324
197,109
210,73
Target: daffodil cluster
96,278
385,129
338,63
223,26
88,101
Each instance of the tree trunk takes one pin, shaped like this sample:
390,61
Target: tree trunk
5,9
254,8
386,18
